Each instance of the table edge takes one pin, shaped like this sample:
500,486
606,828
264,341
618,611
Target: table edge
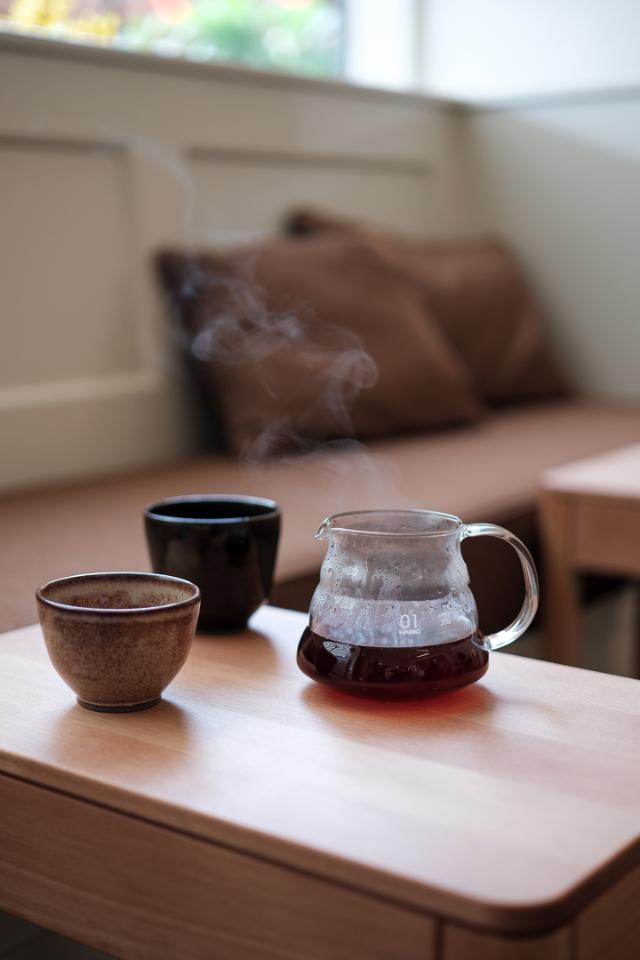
488,916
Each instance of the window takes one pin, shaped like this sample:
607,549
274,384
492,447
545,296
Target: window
302,36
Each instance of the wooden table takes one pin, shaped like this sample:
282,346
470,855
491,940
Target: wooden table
253,815
590,513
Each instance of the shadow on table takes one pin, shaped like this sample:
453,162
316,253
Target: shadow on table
245,648
396,717
140,745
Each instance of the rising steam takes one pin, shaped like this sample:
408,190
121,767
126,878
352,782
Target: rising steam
242,331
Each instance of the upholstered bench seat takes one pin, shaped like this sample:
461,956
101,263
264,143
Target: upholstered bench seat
486,472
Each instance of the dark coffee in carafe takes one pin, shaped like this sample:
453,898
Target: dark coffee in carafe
392,671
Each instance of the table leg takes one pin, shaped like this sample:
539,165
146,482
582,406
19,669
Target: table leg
635,663
561,588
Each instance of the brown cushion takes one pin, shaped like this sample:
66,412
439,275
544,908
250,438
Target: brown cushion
477,294
315,340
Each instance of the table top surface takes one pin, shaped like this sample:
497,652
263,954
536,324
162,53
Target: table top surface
509,804
614,475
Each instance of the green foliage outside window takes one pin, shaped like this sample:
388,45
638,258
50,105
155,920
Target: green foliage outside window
293,35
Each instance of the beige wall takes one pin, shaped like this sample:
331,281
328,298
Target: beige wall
562,182
488,49
103,159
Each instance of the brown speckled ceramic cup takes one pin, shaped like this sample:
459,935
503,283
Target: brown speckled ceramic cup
118,639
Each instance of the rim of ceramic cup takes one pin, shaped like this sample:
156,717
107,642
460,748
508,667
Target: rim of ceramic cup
271,508
118,575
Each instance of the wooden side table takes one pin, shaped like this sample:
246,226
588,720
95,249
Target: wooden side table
253,814
590,514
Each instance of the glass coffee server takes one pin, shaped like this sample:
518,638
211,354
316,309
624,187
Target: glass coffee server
393,614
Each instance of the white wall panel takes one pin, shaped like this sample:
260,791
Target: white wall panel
248,194
66,261
114,97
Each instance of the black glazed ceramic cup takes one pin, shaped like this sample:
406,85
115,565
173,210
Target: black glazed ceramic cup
224,544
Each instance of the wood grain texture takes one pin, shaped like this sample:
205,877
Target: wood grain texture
462,944
612,476
491,806
610,927
557,521
140,891
607,536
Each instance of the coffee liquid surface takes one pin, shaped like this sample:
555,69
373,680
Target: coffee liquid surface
392,671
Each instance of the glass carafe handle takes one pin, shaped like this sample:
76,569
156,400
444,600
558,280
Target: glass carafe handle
531,588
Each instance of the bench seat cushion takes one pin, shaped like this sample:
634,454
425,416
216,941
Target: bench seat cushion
486,472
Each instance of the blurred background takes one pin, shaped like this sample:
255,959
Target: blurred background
127,126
